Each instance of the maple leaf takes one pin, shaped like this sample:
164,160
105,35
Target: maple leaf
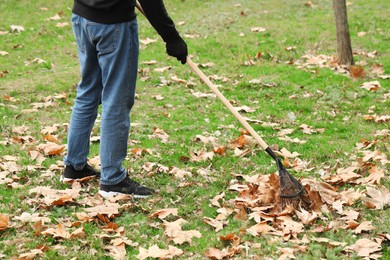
215,200
378,199
161,134
364,226
306,129
216,223
51,149
57,232
17,28
202,155
108,209
357,72
147,41
4,222
26,217
214,253
203,95
162,69
364,247
258,29
350,215
245,109
376,174
52,197
289,226
371,86
241,141
262,228
156,252
174,231
163,213
232,237
327,241
116,251
287,253
306,217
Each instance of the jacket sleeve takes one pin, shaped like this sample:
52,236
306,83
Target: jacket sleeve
158,17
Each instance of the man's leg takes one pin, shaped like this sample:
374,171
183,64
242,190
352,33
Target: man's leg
87,100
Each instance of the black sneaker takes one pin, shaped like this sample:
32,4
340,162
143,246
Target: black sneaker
71,174
127,186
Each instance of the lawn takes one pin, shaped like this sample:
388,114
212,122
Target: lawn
217,191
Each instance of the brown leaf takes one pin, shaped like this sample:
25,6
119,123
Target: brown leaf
215,200
116,251
306,217
217,224
241,142
289,226
156,252
287,253
4,222
262,228
214,253
174,231
51,149
371,86
231,238
110,210
364,247
378,199
201,156
161,134
376,174
163,213
364,226
357,72
57,232
26,217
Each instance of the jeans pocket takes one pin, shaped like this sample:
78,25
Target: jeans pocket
106,37
77,32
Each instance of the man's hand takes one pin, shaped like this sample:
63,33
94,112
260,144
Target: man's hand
178,49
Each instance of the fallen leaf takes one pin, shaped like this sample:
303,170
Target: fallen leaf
364,226
163,213
258,29
262,228
214,253
156,252
147,41
306,217
371,86
57,232
201,156
17,28
364,247
379,198
4,222
217,224
174,231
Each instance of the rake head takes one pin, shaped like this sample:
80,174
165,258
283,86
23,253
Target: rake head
291,191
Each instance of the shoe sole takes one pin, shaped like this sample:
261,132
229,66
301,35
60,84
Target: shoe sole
68,180
107,194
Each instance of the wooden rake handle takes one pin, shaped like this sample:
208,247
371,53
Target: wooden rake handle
226,102
208,82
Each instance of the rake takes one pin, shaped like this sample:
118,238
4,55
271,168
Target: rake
291,191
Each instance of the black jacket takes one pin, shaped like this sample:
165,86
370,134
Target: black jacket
117,11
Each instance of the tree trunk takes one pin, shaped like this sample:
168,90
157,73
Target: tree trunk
344,49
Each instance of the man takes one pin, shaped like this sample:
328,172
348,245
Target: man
106,33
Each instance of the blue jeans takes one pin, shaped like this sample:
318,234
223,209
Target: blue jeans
108,55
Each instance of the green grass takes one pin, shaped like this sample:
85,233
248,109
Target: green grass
336,103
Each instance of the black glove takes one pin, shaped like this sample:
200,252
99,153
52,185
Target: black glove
178,49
